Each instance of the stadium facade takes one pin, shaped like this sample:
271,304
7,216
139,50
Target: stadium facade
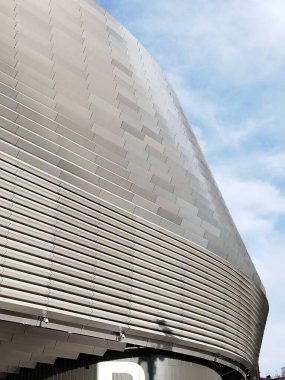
119,259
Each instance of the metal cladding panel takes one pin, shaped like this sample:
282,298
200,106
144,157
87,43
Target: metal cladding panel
110,217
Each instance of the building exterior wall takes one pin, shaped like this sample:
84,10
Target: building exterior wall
111,221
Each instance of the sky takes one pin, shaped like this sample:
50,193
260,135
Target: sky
226,62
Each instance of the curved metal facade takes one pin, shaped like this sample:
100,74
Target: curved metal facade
111,220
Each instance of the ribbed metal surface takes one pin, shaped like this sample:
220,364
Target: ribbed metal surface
109,214
89,263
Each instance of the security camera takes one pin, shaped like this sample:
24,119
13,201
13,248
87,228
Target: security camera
45,319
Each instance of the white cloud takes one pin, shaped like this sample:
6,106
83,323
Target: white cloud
254,204
198,105
275,162
240,40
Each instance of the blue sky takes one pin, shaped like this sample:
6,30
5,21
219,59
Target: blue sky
226,62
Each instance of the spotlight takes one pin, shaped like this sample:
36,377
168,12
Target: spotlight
43,319
121,336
